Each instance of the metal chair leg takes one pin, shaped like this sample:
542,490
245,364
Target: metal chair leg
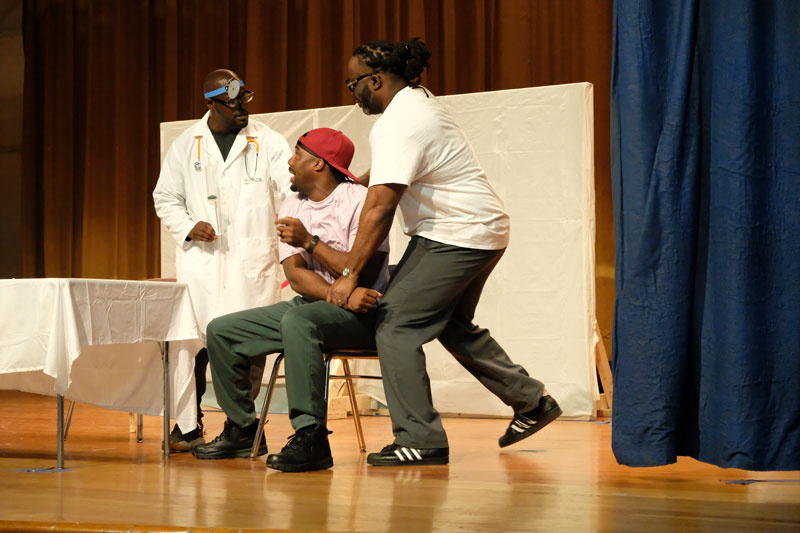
69,419
139,428
354,404
265,408
328,360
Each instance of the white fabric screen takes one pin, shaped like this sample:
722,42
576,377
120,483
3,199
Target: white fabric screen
536,145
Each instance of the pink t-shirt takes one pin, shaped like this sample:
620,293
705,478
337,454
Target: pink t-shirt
335,221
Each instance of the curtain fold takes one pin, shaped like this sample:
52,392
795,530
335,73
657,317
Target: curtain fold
705,166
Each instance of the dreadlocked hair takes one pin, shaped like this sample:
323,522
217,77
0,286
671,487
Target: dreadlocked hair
406,60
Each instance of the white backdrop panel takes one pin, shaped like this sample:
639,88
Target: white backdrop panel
536,145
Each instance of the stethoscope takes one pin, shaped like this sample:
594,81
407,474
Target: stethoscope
251,176
198,165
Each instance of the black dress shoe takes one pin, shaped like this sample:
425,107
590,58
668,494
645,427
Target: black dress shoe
396,455
184,442
234,441
526,424
308,449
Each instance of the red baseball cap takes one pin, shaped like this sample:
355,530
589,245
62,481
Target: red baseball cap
331,145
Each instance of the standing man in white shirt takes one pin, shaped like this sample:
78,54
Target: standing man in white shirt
216,195
423,163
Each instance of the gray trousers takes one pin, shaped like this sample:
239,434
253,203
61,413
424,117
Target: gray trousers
433,295
302,330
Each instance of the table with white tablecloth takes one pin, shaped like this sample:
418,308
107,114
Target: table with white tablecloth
101,342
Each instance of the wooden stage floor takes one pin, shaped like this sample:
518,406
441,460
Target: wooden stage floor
562,479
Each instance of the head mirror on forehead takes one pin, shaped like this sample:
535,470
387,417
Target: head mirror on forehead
232,87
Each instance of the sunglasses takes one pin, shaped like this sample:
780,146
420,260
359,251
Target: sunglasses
351,84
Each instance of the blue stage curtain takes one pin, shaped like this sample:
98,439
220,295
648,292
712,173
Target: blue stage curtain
705,134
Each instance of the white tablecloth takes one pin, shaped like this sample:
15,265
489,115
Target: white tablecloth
96,341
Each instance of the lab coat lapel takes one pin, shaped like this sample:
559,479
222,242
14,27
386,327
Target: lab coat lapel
238,147
212,158
208,143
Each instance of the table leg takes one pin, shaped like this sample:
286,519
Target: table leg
69,419
165,360
60,433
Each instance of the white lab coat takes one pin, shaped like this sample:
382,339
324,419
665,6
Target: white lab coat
240,269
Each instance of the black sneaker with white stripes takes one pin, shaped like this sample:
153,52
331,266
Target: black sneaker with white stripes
526,424
395,455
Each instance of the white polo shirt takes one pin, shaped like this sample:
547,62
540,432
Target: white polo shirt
415,142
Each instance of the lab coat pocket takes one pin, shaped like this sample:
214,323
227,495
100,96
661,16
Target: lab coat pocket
258,256
195,262
255,201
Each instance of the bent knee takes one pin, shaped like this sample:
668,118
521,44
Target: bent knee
217,325
295,320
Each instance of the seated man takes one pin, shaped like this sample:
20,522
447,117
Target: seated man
316,228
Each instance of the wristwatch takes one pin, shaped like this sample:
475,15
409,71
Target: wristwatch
346,273
312,244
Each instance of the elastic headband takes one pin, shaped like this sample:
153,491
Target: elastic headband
232,88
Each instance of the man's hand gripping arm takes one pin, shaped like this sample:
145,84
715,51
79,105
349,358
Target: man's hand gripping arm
312,286
373,227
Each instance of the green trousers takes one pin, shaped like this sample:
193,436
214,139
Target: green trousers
302,330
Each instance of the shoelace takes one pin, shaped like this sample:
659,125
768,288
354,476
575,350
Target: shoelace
299,437
226,429
295,440
176,431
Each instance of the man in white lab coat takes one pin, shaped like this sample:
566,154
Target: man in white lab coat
216,195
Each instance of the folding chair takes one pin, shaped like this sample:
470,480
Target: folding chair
344,356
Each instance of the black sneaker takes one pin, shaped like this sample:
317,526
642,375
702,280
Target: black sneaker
234,441
395,455
526,424
308,449
184,442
